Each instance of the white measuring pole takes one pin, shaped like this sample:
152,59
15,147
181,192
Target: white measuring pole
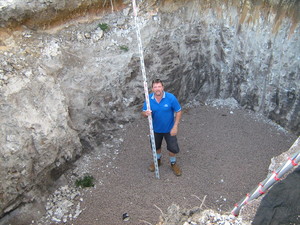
145,88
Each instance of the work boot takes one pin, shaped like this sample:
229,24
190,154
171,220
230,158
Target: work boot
152,166
176,169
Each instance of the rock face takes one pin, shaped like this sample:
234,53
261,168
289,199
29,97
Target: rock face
35,134
68,89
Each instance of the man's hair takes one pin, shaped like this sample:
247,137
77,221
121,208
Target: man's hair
156,81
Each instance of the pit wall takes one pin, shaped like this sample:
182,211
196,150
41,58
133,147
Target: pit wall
66,90
246,51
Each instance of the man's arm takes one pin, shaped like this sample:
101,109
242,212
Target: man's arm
174,130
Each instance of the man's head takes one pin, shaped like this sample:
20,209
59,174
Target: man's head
157,81
157,87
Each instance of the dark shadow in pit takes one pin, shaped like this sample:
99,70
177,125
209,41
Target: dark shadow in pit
281,206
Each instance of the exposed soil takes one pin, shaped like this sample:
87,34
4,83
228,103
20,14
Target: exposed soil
224,154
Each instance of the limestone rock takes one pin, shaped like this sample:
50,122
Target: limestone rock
35,135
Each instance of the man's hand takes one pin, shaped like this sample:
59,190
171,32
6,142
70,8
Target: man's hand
146,113
174,130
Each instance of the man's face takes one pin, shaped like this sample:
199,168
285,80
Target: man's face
157,89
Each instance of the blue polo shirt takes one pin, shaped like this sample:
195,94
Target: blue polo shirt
163,112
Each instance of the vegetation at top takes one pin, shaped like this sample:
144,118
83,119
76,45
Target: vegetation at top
103,26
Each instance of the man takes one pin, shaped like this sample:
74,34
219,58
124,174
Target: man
166,114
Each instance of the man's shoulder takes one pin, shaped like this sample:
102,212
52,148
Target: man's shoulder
169,95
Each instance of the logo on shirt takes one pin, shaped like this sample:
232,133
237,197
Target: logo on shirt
166,105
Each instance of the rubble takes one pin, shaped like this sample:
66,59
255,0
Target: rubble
197,216
62,206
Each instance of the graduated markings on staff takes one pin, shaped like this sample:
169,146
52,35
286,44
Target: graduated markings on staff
145,88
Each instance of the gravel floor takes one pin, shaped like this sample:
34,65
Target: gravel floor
224,154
